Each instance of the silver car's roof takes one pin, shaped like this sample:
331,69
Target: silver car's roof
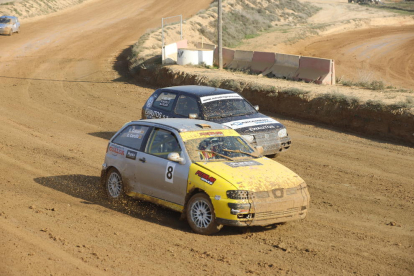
183,124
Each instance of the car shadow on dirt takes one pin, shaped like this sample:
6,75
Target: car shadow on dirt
89,190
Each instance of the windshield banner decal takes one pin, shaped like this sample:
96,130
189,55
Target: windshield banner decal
243,164
250,122
232,96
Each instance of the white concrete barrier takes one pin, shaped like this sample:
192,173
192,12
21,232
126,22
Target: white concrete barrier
285,66
169,53
195,57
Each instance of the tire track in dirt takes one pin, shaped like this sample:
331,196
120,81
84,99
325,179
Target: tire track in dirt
366,55
45,252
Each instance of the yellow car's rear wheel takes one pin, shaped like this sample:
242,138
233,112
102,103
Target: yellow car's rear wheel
114,186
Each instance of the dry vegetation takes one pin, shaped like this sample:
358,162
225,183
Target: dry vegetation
241,19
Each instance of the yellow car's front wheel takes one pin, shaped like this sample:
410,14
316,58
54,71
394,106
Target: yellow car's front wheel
200,215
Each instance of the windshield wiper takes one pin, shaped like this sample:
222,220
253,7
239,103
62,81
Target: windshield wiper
210,151
243,114
217,117
240,151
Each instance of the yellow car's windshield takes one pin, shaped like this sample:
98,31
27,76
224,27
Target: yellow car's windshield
220,148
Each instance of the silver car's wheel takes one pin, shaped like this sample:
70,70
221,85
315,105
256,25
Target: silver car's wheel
114,185
11,32
200,215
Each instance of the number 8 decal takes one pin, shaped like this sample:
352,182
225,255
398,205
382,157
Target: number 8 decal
169,172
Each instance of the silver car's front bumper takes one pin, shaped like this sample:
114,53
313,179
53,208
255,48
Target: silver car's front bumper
272,143
4,30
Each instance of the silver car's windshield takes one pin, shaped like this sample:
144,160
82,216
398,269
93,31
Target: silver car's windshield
227,108
223,148
4,20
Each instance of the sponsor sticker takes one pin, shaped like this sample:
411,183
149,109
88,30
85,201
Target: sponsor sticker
165,102
139,131
207,99
116,150
132,135
154,114
131,154
250,122
243,164
212,133
205,177
262,127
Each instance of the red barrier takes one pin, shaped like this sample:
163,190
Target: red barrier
228,56
262,61
317,70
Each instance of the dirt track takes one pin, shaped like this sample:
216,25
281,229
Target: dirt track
64,92
366,55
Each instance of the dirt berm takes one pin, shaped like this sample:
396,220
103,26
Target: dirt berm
369,118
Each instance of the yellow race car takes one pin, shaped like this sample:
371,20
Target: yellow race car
204,170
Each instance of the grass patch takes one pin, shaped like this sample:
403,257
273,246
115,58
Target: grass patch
373,85
293,91
340,98
214,82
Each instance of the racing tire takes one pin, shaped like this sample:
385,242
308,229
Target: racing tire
114,186
11,32
200,215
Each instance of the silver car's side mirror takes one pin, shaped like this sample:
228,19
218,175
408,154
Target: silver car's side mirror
193,115
175,157
256,107
259,150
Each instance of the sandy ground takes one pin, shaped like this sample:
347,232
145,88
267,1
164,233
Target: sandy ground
64,92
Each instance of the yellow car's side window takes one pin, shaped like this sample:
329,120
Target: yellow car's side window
162,142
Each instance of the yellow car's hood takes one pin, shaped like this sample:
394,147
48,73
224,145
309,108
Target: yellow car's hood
260,174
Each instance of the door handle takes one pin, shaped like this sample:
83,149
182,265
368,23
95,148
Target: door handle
142,159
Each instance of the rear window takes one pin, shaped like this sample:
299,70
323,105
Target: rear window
165,101
131,137
187,105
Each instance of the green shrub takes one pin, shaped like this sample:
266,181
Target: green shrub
293,91
377,85
340,98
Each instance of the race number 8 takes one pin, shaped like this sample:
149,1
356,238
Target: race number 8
169,172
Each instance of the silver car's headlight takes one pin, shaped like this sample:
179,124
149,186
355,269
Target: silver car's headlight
282,133
248,138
